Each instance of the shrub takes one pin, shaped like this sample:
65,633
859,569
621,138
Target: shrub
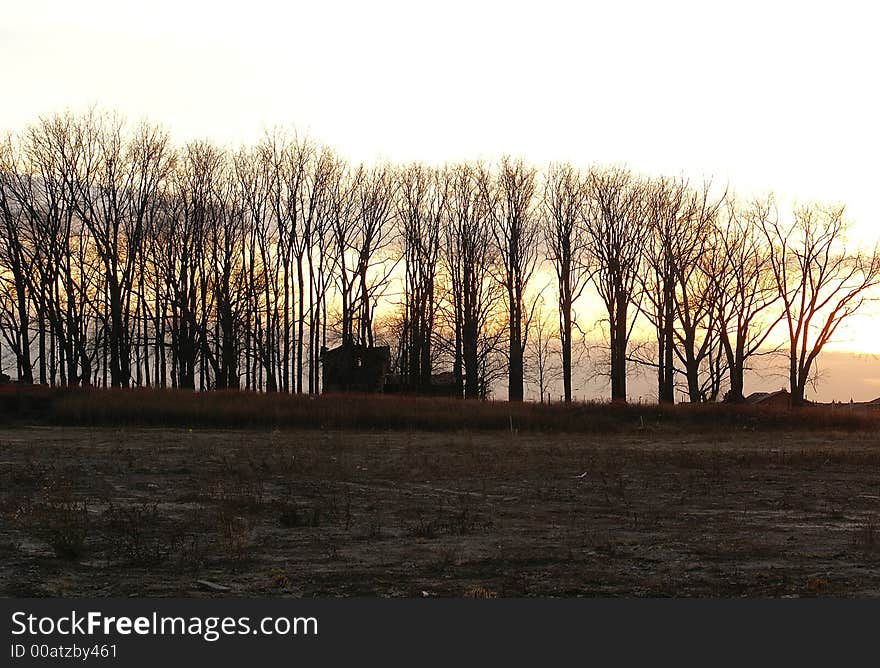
180,408
62,523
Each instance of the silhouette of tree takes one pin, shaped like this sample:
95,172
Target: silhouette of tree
421,207
695,296
667,215
820,282
471,260
511,203
125,261
615,223
543,361
747,293
565,199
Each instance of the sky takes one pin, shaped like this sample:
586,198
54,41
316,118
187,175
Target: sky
762,96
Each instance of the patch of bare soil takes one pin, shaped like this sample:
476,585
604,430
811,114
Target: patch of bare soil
159,512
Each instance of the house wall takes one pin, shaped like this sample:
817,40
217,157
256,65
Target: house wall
354,368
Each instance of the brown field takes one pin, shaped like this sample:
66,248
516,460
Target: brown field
720,508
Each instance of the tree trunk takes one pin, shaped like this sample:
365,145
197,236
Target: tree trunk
667,392
515,363
618,351
565,304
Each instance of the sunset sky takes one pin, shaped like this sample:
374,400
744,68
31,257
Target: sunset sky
764,96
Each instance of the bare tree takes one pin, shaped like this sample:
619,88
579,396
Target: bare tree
696,295
285,177
516,232
746,288
375,244
543,365
125,261
186,231
362,241
667,215
617,231
63,277
421,205
256,178
342,222
565,200
470,260
224,238
113,188
820,282
307,177
319,206
16,294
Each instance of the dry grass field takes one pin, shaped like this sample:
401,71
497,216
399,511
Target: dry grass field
638,510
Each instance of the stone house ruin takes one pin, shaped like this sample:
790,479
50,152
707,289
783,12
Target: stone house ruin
352,367
779,399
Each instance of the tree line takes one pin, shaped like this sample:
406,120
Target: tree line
126,260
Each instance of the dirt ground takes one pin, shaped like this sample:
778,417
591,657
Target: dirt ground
149,512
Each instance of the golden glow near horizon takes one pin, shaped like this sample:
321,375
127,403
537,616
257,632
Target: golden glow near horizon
762,96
